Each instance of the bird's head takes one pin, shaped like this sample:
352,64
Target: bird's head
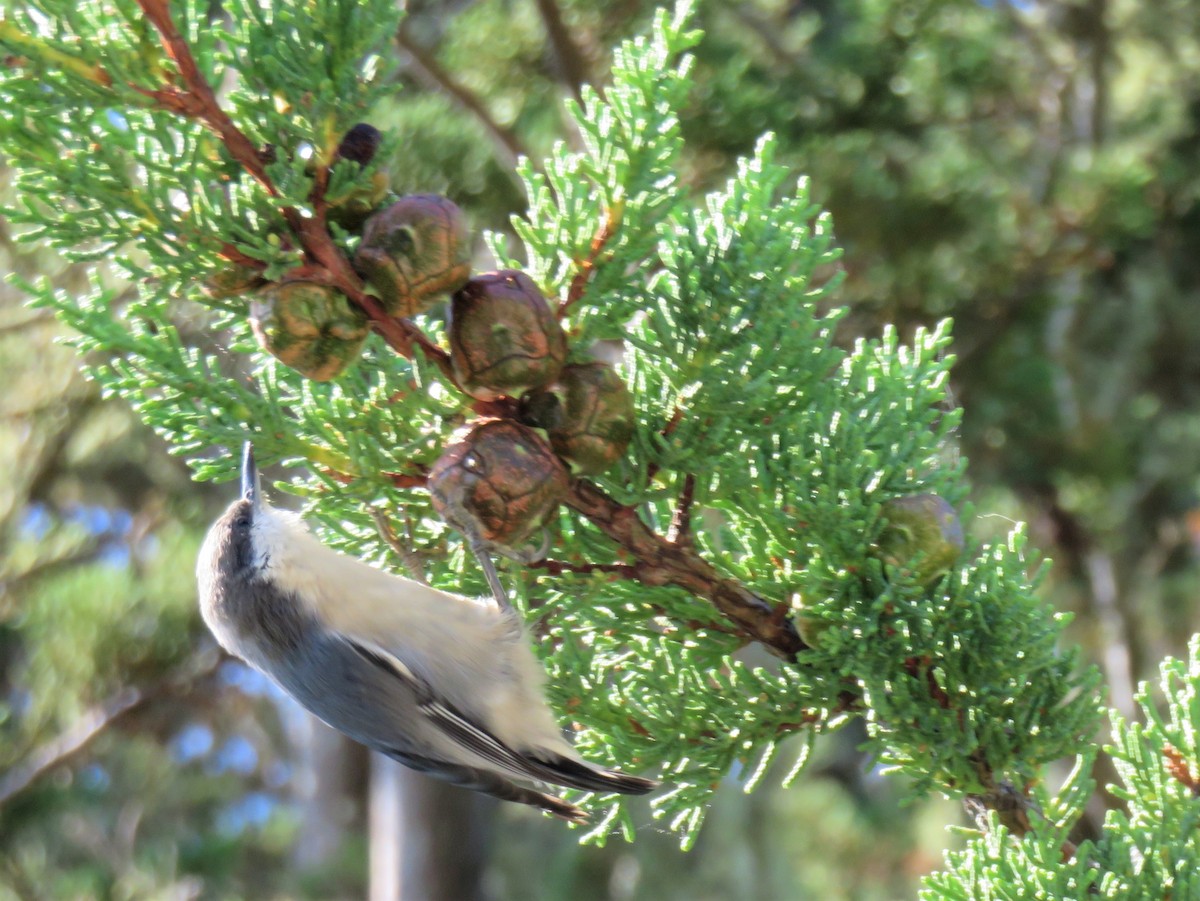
237,545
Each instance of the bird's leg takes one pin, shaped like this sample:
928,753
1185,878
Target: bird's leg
455,514
480,550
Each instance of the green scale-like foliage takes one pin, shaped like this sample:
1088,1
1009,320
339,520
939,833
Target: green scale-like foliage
161,191
1151,849
789,443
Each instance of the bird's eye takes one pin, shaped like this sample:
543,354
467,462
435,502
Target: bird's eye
242,522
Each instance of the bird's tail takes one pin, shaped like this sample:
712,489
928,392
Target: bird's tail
559,769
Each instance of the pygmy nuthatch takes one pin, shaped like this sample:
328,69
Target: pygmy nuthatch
442,683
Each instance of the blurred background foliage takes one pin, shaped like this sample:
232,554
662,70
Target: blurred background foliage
1030,168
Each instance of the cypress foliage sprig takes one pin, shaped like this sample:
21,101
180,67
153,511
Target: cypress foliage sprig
1151,849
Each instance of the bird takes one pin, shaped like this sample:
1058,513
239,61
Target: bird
445,684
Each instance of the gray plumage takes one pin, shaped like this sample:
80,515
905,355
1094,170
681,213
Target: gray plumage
442,683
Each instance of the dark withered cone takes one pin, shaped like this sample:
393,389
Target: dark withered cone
360,143
351,211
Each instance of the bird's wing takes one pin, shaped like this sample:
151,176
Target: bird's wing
466,733
454,724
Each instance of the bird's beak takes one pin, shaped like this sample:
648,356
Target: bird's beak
251,485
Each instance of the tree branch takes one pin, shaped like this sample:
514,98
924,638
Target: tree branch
1011,807
558,567
200,102
608,227
1177,767
659,562
672,424
572,67
662,562
681,523
70,743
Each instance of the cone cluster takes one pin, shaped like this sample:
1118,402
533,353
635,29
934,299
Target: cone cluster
508,473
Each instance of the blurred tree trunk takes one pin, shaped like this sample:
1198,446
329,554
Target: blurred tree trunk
329,783
429,839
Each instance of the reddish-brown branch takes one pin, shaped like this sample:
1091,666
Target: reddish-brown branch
398,479
847,701
199,102
608,228
1177,766
923,667
173,100
406,480
660,562
317,195
202,102
638,727
499,408
1011,807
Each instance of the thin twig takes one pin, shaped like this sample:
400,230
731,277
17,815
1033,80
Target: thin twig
558,567
92,724
200,102
1179,769
924,668
410,558
672,424
659,562
431,71
407,480
484,558
846,703
231,253
572,67
69,743
604,234
1011,807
